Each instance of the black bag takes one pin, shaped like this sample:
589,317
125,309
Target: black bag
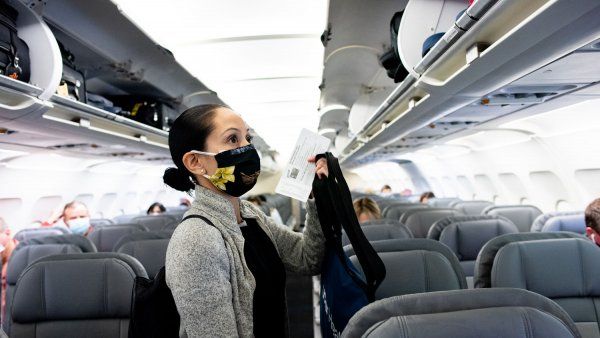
72,83
343,290
153,310
142,109
14,52
390,60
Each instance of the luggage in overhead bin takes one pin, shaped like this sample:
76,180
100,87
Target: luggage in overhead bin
390,60
14,52
146,110
72,82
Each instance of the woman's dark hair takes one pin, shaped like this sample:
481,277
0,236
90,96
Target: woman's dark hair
156,204
427,194
188,132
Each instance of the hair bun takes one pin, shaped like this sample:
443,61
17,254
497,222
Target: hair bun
177,179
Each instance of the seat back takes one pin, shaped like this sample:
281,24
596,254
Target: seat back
443,202
125,219
420,220
566,270
26,234
466,235
573,223
106,237
471,207
381,221
395,211
155,222
381,232
98,222
541,220
149,248
487,254
83,295
521,215
415,266
21,258
463,313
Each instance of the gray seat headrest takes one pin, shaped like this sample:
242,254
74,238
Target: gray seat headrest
27,234
155,222
463,313
78,240
141,236
396,210
436,229
574,223
541,220
555,268
106,237
416,244
442,202
151,252
521,215
471,207
381,232
98,222
100,283
466,237
487,254
381,221
23,256
420,220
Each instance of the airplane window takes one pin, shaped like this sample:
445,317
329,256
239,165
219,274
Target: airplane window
564,206
466,187
87,199
589,181
547,189
513,187
10,211
485,188
45,207
105,205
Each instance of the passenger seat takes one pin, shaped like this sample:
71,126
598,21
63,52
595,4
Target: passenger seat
420,220
471,207
381,232
574,223
521,215
28,252
155,222
444,202
76,295
415,266
541,220
466,235
149,248
463,313
106,237
396,211
26,234
565,270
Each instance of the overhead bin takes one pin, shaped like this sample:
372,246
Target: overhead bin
522,37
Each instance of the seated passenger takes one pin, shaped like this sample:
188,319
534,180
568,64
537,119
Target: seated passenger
156,209
386,190
592,221
7,245
226,267
184,202
426,196
259,201
366,209
406,192
76,217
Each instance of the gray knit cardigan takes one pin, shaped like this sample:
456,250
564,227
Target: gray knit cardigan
207,273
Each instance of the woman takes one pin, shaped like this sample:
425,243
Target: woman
228,277
366,209
156,208
426,196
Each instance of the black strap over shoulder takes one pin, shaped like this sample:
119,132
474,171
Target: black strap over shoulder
335,211
198,216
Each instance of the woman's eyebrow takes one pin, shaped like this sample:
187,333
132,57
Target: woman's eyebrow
230,129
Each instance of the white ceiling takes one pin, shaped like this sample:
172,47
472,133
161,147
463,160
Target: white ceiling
264,58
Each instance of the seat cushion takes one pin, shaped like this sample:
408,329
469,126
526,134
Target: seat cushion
573,223
420,221
521,215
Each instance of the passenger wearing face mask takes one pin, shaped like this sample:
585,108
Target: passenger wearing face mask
77,218
227,270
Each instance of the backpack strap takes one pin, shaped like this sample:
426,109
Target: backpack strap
198,216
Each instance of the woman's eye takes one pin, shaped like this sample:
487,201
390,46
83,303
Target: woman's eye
233,139
249,138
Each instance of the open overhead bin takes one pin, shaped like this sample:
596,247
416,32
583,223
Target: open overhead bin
495,66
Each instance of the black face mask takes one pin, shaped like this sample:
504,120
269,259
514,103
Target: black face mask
238,170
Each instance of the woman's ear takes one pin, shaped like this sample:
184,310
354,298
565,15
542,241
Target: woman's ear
193,164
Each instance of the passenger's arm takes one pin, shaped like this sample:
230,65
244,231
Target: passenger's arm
197,271
300,252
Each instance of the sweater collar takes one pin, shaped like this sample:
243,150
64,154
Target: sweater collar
219,208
